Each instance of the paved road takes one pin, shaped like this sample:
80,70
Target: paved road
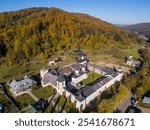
144,110
124,104
33,96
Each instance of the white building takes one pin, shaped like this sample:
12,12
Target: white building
79,76
86,94
22,86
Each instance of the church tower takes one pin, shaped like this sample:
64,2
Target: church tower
61,84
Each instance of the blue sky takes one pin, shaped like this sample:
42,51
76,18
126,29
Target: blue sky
114,11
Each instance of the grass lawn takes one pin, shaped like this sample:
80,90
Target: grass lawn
91,78
24,100
3,98
45,92
19,71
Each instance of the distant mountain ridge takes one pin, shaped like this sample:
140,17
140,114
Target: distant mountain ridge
121,25
141,28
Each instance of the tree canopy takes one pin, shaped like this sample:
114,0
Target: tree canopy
41,32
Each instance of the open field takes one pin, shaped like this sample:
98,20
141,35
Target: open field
111,55
31,68
91,78
45,92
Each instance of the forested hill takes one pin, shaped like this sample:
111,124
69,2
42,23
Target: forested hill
41,32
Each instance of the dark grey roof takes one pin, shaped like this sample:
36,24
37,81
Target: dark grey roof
80,54
88,90
78,75
107,70
59,71
54,71
101,82
114,74
84,93
61,78
72,91
80,98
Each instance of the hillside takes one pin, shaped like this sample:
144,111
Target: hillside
141,28
41,32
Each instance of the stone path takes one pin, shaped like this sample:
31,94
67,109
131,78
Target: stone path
124,104
33,96
50,99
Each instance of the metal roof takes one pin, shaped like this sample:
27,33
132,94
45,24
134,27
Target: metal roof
50,78
146,100
54,71
78,75
76,66
88,90
61,78
67,70
18,86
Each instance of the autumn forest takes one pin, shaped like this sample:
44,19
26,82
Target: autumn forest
41,32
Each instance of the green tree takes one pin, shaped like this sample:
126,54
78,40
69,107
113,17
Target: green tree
130,82
139,92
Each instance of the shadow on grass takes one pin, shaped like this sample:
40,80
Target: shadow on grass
55,105
52,98
64,104
132,109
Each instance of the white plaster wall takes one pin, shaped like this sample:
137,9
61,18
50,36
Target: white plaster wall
91,97
72,98
43,72
78,104
67,94
79,79
97,71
